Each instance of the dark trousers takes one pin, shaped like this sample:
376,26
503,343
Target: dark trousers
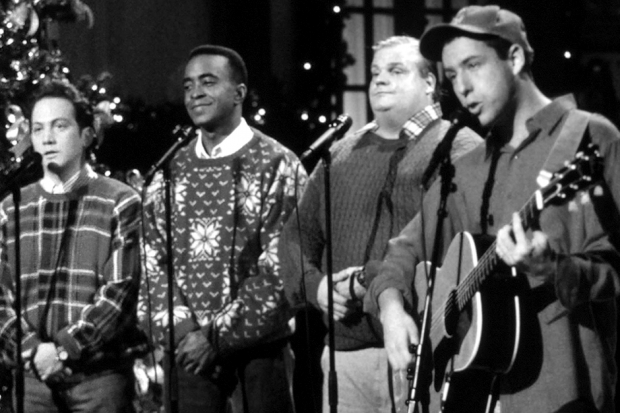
110,392
255,382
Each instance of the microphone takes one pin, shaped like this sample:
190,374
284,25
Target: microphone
442,151
336,130
20,169
184,135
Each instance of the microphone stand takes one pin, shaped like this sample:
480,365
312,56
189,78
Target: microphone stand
11,183
173,385
419,396
19,371
164,164
332,377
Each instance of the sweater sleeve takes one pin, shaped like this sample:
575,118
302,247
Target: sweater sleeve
302,244
260,311
115,301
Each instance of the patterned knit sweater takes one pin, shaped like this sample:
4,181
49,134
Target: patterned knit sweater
359,166
79,251
227,217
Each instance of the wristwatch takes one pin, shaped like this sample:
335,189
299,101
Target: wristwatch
361,278
62,355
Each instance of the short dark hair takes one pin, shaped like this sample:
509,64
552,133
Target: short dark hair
63,89
238,69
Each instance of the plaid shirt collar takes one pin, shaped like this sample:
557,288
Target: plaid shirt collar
415,125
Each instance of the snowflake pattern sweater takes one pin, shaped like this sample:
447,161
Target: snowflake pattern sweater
227,216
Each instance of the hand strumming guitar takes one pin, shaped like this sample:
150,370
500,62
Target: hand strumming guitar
399,329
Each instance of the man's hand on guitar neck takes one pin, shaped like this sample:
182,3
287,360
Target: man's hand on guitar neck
399,329
533,257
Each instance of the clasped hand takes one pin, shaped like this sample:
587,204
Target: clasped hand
195,354
43,362
344,304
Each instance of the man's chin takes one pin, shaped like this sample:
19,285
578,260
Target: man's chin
201,120
54,167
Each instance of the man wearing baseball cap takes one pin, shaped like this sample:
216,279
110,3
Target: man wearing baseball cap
565,261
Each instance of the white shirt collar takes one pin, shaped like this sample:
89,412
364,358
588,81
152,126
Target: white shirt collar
231,144
85,173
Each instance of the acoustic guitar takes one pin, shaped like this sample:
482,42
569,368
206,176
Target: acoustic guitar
475,310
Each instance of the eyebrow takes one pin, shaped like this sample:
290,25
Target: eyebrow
389,65
53,120
200,77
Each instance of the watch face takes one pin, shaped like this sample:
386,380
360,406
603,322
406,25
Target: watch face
62,355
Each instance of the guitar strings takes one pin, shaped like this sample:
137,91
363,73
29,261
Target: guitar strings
472,280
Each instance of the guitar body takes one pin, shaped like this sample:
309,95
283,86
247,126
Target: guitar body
480,333
474,322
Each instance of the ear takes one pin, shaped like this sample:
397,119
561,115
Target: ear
431,83
241,90
88,136
516,56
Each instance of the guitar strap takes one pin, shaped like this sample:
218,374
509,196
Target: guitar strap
566,145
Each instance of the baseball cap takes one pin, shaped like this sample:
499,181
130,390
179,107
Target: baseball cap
476,22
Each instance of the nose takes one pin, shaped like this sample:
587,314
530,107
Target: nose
462,85
195,91
380,78
47,136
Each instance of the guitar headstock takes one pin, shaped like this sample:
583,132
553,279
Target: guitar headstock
582,172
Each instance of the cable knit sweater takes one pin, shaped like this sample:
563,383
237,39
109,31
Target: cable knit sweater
359,166
227,215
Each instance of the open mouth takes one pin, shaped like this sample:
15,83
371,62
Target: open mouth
474,108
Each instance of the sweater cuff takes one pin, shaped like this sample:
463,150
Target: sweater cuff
182,328
220,348
66,340
30,341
